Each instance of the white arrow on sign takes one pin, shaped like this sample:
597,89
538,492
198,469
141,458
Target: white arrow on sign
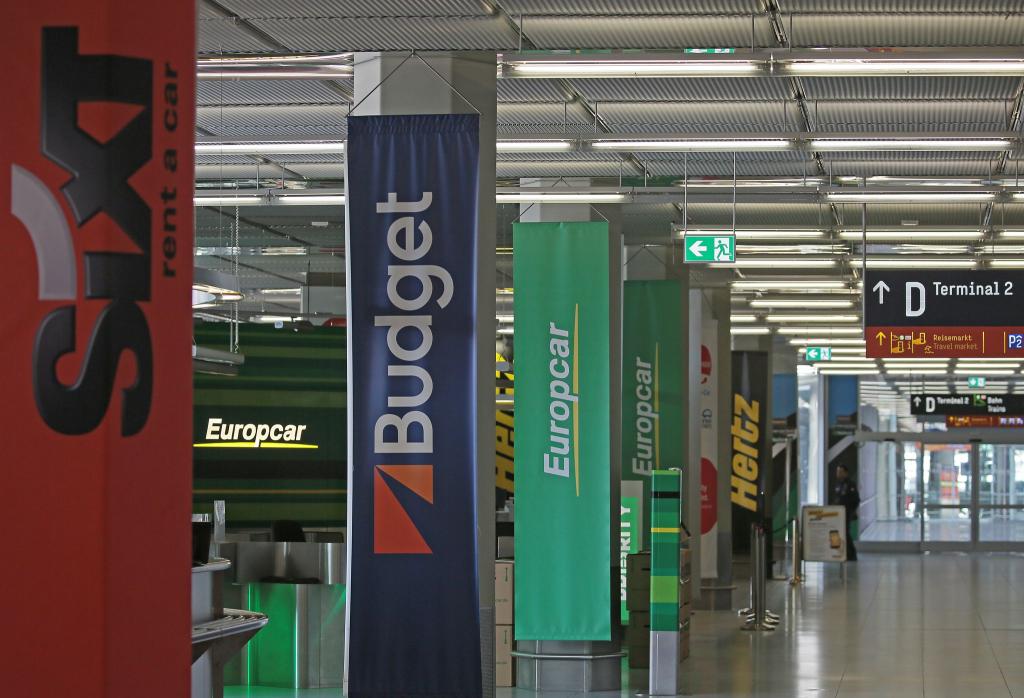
881,287
698,249
917,401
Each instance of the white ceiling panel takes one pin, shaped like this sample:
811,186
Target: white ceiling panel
904,29
699,117
680,89
290,9
271,121
224,36
908,115
244,92
635,7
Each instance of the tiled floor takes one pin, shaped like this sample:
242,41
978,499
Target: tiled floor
931,626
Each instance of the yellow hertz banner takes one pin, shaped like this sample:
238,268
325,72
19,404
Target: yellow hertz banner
504,431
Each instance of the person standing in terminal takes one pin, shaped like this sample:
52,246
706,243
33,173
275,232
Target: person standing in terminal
845,494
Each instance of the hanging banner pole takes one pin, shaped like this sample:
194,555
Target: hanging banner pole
96,181
413,614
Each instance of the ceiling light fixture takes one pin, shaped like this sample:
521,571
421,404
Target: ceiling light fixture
813,318
750,330
903,235
839,144
779,262
693,146
867,197
776,285
821,331
228,200
542,197
826,341
833,67
272,148
636,69
311,200
533,146
797,303
917,262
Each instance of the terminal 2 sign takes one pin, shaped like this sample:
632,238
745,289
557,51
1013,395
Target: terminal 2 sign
947,314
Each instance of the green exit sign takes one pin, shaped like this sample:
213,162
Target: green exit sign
819,354
975,381
710,50
709,248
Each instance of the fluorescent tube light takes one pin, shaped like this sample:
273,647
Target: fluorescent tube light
984,367
916,262
797,303
1006,263
813,318
827,341
691,146
271,318
916,371
750,330
847,372
506,330
839,144
743,318
542,197
825,67
535,146
228,200
272,148
821,331
1012,234
780,262
311,200
505,318
775,285
868,197
625,69
904,235
984,372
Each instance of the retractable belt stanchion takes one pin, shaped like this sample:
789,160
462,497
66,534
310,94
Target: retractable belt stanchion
758,617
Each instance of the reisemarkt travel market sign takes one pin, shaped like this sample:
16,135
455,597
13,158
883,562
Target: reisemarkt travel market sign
563,459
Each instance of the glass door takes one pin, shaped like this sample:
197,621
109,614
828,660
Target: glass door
948,513
1001,493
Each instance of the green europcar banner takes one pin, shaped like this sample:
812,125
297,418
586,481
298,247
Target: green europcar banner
652,381
563,442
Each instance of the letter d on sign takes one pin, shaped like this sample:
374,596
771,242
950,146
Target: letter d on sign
912,287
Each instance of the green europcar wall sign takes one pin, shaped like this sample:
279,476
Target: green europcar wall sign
563,459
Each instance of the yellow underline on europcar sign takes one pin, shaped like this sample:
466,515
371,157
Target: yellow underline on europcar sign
665,530
251,444
576,392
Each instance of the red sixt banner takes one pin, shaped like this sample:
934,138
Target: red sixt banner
944,342
96,218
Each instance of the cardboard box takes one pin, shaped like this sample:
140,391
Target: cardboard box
506,547
504,662
504,592
638,598
685,591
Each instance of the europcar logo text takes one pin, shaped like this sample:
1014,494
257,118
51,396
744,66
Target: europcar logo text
221,435
647,423
564,405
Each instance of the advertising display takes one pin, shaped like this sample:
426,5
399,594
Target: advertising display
96,180
708,451
413,612
824,532
950,313
652,381
630,524
563,420
751,454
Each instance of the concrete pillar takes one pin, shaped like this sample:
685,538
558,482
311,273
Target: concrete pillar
384,88
603,672
719,595
691,479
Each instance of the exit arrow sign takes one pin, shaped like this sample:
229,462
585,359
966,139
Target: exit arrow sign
819,353
701,249
975,381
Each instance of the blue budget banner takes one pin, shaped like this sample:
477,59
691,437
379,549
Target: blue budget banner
413,610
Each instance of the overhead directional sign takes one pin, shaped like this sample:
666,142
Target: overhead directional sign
959,422
966,405
709,248
947,313
818,353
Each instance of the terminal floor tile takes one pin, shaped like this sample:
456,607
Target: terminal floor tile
931,626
